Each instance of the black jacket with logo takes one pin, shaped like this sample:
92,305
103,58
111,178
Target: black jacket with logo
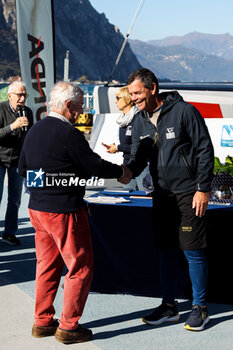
180,151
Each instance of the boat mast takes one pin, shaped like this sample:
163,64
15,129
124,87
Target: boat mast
66,66
126,38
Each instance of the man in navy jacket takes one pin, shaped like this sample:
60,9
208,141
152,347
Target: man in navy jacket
181,164
57,161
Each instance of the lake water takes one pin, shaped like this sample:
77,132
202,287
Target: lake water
87,89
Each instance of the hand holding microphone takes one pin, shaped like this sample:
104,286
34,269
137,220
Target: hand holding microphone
21,121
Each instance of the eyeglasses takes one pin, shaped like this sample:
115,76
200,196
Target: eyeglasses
118,98
20,95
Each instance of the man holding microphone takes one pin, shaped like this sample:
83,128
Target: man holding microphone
15,120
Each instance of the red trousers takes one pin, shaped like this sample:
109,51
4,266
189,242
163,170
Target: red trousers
62,239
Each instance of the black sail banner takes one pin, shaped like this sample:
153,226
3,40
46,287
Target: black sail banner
36,51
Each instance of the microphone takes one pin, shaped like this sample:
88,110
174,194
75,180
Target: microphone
18,108
22,113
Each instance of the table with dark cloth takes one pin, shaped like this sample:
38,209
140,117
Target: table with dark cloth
126,260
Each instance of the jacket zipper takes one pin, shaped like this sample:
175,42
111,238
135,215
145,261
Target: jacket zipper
163,168
186,164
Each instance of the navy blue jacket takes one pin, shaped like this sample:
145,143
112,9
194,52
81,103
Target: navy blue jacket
180,152
125,137
57,147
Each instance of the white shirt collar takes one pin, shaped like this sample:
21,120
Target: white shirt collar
59,116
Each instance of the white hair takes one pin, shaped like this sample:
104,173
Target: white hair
16,84
63,91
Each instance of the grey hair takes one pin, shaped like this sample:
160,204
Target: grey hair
16,84
63,91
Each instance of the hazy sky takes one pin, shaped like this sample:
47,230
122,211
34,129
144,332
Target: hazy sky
159,19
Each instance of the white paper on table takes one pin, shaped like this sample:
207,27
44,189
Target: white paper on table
107,200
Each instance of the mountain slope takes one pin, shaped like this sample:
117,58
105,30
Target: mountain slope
220,45
180,63
9,62
93,42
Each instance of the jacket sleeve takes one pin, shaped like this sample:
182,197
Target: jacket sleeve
124,148
143,134
22,166
136,130
30,117
199,137
5,130
88,161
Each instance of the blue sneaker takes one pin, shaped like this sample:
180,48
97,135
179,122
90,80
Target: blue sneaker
197,319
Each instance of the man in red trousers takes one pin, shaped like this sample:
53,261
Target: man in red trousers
57,160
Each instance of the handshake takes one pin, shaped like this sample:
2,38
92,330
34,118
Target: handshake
126,176
127,173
